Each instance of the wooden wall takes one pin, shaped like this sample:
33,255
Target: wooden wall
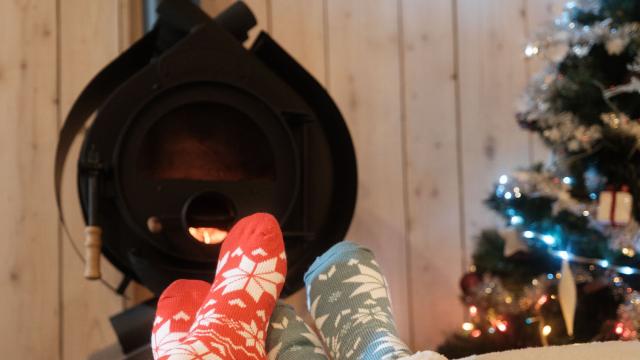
427,88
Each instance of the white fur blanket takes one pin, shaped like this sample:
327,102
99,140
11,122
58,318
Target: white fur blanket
613,350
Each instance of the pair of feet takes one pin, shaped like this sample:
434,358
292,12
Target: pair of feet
239,317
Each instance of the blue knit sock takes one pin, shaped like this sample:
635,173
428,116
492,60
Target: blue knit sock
348,298
289,338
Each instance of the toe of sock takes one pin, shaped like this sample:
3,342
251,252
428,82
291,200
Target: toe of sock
189,291
338,252
257,230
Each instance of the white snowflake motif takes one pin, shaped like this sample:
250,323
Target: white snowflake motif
393,343
334,296
372,282
365,315
195,350
334,344
254,337
254,278
163,340
206,319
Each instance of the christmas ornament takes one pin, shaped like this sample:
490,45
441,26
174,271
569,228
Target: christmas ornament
614,207
567,296
513,242
469,281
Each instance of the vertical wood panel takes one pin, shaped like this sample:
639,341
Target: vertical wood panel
364,79
89,39
298,25
29,266
491,35
432,173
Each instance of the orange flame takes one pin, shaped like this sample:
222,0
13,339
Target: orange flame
208,235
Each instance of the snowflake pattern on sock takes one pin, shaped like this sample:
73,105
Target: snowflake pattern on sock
289,338
231,322
349,301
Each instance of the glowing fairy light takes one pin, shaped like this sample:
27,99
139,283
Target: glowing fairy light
476,333
546,330
467,326
508,195
517,220
548,239
503,179
543,300
628,252
531,50
619,328
529,234
567,180
586,213
603,263
473,310
563,255
501,325
626,270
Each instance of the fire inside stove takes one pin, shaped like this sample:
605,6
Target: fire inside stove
188,144
208,235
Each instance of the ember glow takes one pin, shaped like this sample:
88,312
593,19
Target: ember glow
208,235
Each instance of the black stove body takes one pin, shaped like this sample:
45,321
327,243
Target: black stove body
193,130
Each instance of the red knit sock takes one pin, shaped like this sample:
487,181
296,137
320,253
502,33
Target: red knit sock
175,314
232,320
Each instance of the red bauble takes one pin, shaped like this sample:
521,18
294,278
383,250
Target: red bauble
469,281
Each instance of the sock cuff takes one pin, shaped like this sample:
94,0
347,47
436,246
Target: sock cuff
341,250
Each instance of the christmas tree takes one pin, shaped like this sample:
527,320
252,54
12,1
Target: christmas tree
565,267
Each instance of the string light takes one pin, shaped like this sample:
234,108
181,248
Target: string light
546,330
467,326
528,234
503,179
508,195
473,310
619,328
476,333
548,239
501,325
516,220
567,180
628,252
531,50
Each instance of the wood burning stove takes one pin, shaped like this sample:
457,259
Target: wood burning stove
192,132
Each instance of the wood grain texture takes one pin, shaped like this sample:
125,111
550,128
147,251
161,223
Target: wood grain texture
492,74
432,178
364,80
89,39
29,258
298,25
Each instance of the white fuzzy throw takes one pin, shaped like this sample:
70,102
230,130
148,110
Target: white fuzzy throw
614,350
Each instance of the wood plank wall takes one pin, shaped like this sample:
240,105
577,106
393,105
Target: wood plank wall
427,87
